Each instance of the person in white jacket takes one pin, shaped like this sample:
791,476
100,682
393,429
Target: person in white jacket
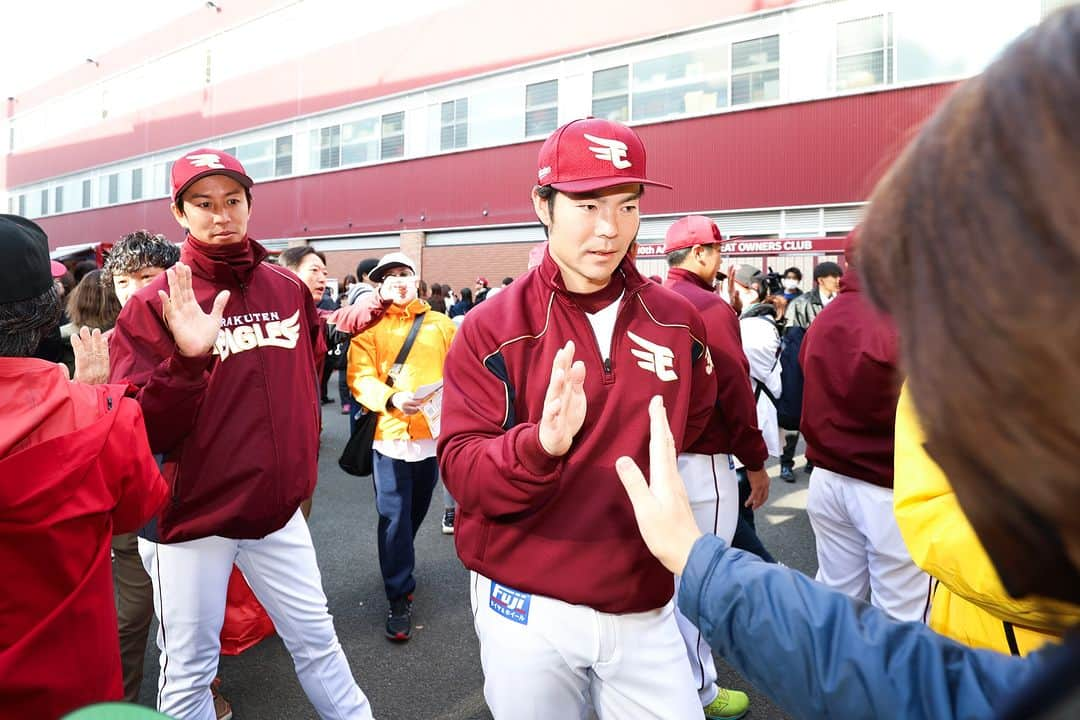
758,316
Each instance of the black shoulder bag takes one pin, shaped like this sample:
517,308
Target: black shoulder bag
356,458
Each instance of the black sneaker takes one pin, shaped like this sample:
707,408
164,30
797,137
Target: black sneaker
448,521
399,620
787,473
808,468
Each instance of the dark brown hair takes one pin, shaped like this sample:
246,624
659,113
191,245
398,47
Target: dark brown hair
93,303
292,257
989,191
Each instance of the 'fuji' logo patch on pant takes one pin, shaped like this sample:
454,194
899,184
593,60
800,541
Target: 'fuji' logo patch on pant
509,603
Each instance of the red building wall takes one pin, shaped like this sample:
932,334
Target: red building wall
811,153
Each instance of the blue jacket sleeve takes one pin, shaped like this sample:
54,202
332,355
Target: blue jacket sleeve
820,654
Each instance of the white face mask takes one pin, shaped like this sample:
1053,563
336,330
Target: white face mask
399,290
790,283
748,297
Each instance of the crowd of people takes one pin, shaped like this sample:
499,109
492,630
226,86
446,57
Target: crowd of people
171,457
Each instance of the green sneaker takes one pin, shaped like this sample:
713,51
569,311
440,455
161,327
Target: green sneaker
728,705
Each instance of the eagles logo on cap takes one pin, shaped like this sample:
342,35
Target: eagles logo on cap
197,164
591,154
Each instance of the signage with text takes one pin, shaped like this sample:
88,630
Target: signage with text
764,246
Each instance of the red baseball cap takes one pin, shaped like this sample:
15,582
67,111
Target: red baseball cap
197,164
690,231
591,154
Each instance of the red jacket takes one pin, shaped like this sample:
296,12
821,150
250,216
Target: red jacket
563,527
75,467
239,429
851,387
733,427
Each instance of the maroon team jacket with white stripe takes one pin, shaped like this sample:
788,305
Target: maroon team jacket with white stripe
564,527
239,428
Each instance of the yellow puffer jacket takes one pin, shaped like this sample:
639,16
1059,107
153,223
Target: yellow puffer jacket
970,604
372,353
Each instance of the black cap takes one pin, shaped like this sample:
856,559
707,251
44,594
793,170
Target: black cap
828,269
25,270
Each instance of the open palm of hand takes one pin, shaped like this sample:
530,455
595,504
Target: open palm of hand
194,331
565,403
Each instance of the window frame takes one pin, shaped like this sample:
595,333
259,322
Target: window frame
723,76
887,50
456,125
755,70
627,92
137,186
550,105
384,136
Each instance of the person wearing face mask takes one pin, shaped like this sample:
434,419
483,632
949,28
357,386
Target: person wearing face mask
792,278
406,469
760,340
800,312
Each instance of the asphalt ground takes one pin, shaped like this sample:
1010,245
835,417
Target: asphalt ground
436,675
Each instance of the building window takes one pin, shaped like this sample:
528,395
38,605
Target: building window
257,158
755,70
114,189
610,93
231,150
283,156
360,141
58,199
393,136
136,184
86,194
455,124
326,147
541,108
22,205
44,202
168,178
864,52
686,83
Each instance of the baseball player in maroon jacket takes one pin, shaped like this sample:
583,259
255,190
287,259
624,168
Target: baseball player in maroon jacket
231,405
544,390
692,246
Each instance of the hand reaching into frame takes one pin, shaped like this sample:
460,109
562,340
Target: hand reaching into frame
564,404
661,507
91,356
193,330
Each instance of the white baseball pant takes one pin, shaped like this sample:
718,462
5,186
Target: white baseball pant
713,490
859,546
544,658
190,584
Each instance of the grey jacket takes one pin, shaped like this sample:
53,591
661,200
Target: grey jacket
802,310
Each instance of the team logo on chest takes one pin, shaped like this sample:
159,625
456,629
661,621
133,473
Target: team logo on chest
657,359
240,333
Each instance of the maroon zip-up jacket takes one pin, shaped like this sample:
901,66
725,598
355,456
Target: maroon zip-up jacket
564,527
851,386
733,427
238,428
